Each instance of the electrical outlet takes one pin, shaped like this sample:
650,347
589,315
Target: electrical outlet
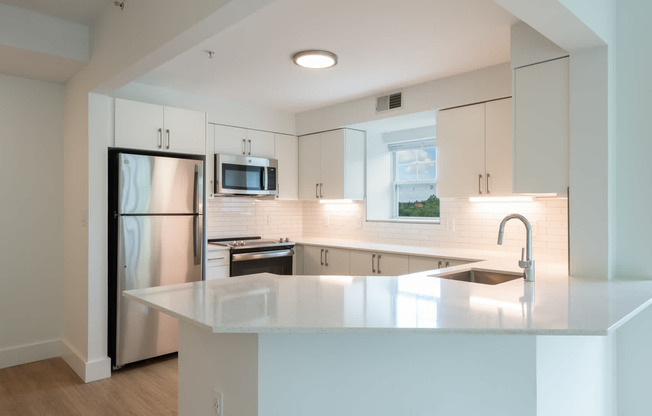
218,403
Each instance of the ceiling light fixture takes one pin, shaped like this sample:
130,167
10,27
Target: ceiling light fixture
315,59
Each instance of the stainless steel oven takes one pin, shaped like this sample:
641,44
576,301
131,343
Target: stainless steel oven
250,255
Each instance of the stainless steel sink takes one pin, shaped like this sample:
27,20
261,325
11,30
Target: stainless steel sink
481,276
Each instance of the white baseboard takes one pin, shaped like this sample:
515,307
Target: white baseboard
24,354
86,370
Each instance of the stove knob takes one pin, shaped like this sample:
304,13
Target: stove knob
280,240
287,240
242,243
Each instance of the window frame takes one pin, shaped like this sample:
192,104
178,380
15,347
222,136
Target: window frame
394,148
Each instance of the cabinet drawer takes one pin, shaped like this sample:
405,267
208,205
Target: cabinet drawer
217,272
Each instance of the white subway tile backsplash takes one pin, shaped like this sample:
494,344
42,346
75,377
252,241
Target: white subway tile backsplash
463,224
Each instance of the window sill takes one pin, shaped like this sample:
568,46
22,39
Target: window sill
409,220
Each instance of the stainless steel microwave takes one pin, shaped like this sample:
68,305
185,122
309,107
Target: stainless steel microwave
245,175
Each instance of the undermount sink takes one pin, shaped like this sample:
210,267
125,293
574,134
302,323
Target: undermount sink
481,276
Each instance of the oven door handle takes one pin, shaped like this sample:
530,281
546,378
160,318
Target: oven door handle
262,255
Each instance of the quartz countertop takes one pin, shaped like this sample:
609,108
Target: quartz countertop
265,303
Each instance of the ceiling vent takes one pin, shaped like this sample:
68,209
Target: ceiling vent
389,102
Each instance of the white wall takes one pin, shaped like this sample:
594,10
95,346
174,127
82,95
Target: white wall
31,212
124,46
218,111
632,242
471,87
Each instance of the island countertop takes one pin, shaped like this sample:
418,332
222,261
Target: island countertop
265,303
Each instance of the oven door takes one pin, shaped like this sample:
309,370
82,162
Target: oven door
275,261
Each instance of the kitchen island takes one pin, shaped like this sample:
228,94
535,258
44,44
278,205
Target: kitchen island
407,345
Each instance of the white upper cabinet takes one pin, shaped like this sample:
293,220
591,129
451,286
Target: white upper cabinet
286,151
243,142
153,127
474,150
541,127
498,147
331,165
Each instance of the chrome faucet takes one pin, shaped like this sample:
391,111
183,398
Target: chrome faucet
526,263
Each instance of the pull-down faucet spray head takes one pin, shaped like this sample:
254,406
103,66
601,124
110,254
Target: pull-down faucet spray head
526,262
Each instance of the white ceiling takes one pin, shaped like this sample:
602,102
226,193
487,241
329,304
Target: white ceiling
382,45
79,11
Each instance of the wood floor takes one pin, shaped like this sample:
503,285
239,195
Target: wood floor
50,387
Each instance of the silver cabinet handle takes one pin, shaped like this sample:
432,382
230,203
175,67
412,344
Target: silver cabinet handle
249,149
439,264
160,138
373,267
216,259
488,183
316,190
378,264
321,195
321,257
244,146
167,131
480,184
326,258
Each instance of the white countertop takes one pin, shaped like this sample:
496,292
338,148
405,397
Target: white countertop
266,303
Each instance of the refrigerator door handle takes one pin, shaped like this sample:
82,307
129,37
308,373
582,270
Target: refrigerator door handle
196,232
196,235
195,191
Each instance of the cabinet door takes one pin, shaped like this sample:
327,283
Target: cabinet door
498,143
260,144
185,130
363,263
230,140
209,177
313,258
138,125
354,164
309,166
391,264
461,151
336,262
541,124
286,151
422,264
332,165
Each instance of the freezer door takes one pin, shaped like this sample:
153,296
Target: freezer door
152,251
159,185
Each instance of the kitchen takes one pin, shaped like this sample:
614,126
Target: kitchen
83,319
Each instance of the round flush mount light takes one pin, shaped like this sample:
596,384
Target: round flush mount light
315,59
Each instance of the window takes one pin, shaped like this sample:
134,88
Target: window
415,180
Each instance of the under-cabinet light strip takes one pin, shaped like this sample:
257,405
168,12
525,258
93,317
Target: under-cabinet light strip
501,199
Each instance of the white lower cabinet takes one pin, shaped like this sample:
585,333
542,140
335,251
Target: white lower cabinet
317,260
217,263
325,261
422,264
368,263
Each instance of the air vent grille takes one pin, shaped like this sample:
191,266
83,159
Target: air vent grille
389,102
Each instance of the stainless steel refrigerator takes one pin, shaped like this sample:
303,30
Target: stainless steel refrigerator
157,227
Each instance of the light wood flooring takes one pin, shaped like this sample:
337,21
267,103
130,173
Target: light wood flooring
50,387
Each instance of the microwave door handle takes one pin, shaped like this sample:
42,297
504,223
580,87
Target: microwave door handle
264,178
